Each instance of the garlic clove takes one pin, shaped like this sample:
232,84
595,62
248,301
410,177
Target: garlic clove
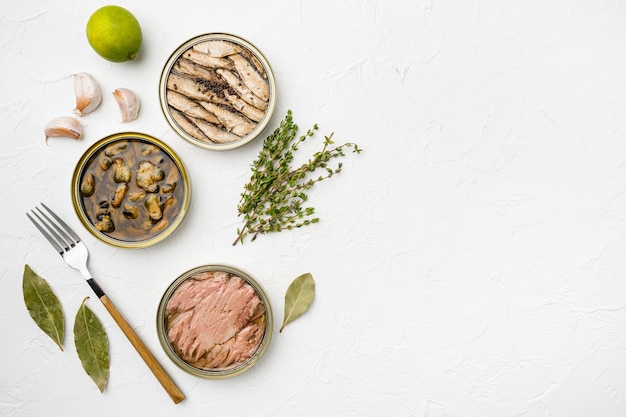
128,103
88,94
64,126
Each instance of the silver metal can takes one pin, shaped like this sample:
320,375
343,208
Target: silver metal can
217,91
215,321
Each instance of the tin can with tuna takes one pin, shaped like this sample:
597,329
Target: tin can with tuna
215,321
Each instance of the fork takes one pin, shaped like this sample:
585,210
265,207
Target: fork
75,253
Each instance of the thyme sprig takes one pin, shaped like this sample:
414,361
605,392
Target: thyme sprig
273,200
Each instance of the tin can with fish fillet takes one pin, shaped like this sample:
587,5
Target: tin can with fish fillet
215,321
217,91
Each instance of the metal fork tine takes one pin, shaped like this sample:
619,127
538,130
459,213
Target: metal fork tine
52,228
60,233
50,239
68,229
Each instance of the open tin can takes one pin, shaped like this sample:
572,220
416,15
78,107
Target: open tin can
217,91
215,321
130,190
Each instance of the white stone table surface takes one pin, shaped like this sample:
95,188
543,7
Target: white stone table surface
471,262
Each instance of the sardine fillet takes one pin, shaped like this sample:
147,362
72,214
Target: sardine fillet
254,61
207,60
251,78
233,122
191,68
214,133
191,88
189,107
241,89
244,108
217,48
187,126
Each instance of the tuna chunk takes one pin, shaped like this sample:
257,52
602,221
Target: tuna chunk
215,320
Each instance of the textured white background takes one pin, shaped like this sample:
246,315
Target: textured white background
471,262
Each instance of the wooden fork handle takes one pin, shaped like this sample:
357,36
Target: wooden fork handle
175,394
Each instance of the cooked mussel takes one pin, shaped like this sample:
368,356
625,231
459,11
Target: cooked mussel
119,194
148,176
168,188
147,149
105,224
130,211
153,205
115,149
105,163
136,196
121,172
170,201
87,187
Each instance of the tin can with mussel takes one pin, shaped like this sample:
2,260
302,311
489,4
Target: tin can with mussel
130,190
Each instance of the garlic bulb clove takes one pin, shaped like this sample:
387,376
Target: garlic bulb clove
88,94
128,103
64,126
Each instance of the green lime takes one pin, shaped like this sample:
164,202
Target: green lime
114,33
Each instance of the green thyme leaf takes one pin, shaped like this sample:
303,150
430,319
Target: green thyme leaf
43,305
272,199
92,345
298,298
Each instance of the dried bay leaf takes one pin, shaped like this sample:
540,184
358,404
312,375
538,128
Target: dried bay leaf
298,298
43,305
92,345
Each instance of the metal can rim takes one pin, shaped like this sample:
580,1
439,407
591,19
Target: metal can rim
209,374
163,89
76,198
